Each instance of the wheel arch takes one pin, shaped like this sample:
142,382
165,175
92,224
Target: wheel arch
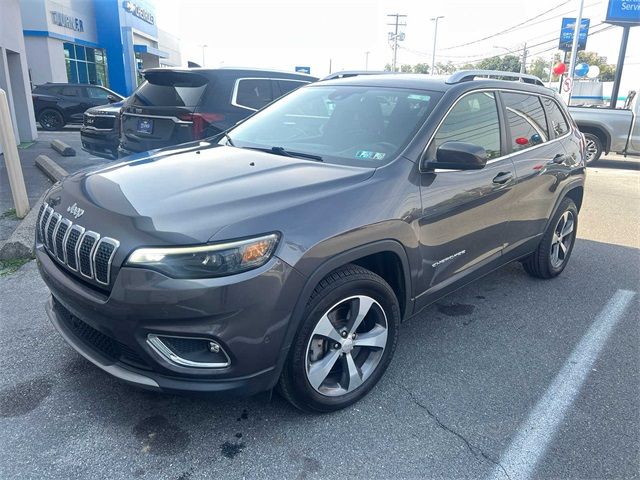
372,256
599,132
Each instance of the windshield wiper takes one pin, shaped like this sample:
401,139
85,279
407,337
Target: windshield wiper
229,141
287,153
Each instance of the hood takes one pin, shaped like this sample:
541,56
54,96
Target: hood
108,109
187,194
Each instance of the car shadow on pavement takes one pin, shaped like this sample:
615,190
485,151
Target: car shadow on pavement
630,163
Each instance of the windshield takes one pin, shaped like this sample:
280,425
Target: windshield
364,126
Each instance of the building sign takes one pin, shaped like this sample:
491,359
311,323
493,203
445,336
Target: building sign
566,34
67,21
306,70
139,12
623,12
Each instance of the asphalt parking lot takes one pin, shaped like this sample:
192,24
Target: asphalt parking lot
509,377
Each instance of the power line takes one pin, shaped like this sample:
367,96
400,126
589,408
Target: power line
508,29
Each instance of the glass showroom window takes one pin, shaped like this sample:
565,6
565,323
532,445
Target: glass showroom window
85,65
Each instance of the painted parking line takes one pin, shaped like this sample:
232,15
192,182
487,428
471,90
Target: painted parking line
534,436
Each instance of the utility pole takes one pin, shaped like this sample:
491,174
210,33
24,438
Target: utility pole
574,46
435,40
203,47
523,65
395,36
366,61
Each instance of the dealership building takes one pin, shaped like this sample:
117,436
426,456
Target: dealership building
102,42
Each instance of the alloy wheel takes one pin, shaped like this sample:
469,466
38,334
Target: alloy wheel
562,239
49,120
592,150
346,345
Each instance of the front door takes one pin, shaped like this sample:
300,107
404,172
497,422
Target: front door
465,214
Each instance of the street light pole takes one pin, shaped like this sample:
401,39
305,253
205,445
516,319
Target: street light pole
203,47
435,39
366,61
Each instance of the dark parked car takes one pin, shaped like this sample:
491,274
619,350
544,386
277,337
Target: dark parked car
175,106
56,104
100,132
288,251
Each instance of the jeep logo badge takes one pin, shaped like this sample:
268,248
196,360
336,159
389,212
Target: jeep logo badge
76,211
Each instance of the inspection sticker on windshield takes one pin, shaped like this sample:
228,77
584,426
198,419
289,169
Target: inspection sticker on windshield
366,154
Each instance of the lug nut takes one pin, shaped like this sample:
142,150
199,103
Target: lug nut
353,335
336,346
344,333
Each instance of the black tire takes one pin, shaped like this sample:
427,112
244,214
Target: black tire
339,286
594,148
542,263
51,119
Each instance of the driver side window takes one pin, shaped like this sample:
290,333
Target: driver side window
473,119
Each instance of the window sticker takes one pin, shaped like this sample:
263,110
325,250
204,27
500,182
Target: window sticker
367,155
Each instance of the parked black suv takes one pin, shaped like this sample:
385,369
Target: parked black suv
100,132
56,104
176,106
288,250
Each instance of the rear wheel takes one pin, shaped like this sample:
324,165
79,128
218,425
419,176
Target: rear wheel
345,342
51,119
552,255
594,148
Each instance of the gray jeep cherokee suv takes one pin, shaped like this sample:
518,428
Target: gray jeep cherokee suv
287,251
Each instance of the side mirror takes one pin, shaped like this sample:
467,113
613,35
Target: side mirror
459,156
112,99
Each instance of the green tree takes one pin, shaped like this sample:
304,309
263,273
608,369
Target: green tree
406,68
445,68
421,68
508,63
607,70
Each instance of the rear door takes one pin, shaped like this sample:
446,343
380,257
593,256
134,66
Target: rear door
162,111
536,133
72,103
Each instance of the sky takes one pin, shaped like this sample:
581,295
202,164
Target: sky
283,34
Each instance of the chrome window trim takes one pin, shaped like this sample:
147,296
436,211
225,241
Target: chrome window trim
166,117
493,160
90,234
116,245
75,254
46,234
67,222
159,347
234,93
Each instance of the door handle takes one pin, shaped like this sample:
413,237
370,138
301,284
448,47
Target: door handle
503,177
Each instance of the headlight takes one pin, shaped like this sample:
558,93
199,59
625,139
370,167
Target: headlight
203,261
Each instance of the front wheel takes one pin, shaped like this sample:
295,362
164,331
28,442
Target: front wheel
51,119
345,342
554,250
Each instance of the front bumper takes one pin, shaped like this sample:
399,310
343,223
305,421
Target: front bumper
247,314
101,144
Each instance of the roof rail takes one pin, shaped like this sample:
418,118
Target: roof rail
354,73
468,75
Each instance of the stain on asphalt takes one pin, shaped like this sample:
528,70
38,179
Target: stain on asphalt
230,450
138,472
185,475
244,415
159,437
455,309
238,435
480,297
23,397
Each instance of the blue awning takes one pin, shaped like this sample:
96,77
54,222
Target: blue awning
149,50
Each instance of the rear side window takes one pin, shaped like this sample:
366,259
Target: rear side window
170,89
526,120
473,119
71,92
557,122
288,85
253,93
97,93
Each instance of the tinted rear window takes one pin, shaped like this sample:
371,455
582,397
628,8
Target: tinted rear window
173,89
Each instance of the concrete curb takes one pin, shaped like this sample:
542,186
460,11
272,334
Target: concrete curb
20,243
63,149
50,168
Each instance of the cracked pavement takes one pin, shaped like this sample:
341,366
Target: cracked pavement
465,376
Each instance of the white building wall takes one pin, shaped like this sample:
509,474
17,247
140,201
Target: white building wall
46,60
170,44
14,78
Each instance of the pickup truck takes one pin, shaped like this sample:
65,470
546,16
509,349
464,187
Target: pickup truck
609,129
